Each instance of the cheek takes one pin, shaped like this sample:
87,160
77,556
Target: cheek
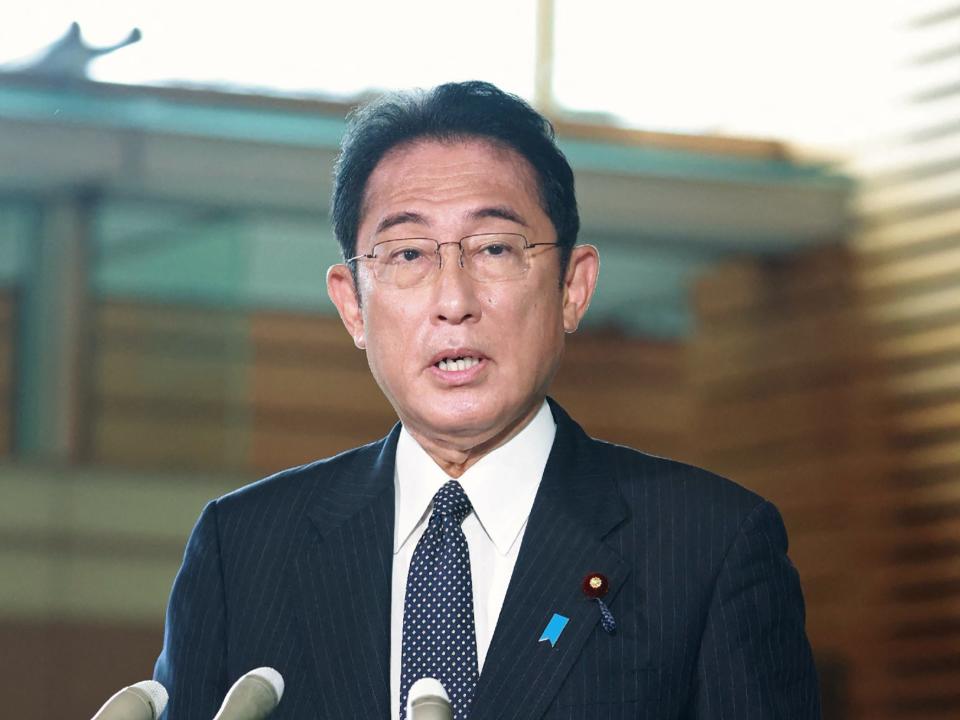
528,323
393,330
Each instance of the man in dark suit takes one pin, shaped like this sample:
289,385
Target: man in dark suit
569,578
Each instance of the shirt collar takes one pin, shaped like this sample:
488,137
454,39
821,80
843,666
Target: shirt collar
501,485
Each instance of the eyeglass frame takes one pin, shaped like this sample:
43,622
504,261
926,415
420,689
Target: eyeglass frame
527,245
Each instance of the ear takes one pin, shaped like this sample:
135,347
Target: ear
578,284
344,295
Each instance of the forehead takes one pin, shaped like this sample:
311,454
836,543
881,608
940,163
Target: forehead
437,174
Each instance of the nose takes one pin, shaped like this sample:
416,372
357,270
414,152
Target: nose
455,294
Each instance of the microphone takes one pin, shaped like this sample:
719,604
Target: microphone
427,700
144,700
252,697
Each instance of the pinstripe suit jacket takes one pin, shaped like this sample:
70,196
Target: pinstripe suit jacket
294,572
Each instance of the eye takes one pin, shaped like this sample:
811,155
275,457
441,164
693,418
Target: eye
496,249
405,255
409,254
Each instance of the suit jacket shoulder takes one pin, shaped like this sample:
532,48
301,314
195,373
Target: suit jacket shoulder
291,572
663,485
709,613
338,483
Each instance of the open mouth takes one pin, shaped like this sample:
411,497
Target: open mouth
457,364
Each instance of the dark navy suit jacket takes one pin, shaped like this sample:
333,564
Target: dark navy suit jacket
294,572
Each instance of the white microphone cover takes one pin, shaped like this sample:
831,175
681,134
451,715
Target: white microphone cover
144,700
253,697
427,700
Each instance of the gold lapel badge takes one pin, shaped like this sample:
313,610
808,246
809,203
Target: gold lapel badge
595,586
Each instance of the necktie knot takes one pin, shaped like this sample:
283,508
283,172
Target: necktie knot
452,502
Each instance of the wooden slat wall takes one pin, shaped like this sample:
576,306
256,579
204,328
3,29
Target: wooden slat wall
778,390
184,387
69,668
6,370
789,402
909,270
169,387
627,390
312,394
781,389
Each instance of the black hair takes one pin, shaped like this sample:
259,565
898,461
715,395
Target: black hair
451,112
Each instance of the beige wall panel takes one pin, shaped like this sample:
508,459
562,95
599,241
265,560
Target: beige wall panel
908,234
359,422
744,289
941,453
627,404
138,374
940,531
115,589
31,582
849,530
944,377
146,319
939,417
915,271
312,332
820,412
927,502
913,649
48,585
933,573
794,342
304,386
897,312
589,350
277,450
169,443
919,344
755,463
627,391
814,478
790,403
897,199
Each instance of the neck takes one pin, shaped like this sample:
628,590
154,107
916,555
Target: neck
456,456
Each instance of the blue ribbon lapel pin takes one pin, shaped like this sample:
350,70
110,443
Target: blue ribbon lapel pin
553,629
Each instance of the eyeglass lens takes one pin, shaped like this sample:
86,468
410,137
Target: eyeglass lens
488,257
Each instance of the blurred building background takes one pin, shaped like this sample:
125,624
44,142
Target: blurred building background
784,312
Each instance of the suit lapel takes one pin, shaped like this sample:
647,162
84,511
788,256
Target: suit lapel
576,506
343,578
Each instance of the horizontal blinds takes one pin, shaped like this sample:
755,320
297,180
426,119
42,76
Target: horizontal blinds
909,252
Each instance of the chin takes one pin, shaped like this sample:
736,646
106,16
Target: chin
460,416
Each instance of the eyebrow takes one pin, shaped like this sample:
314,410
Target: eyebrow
502,212
400,218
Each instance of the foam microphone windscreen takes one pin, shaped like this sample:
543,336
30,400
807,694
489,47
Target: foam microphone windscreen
428,700
253,697
144,700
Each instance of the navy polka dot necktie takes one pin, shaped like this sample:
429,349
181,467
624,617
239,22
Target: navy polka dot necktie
439,639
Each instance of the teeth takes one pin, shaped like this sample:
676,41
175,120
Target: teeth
457,364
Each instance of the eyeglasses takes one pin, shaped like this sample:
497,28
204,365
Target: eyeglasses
489,257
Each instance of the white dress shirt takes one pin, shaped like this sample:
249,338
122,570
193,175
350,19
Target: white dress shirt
501,487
